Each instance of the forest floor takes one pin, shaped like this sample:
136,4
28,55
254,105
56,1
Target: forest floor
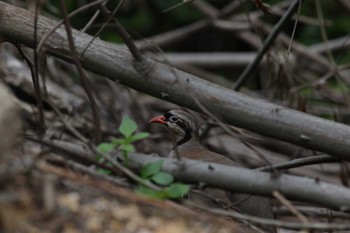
43,189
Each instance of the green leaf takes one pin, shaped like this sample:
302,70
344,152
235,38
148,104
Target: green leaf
150,192
127,147
127,127
151,168
105,147
117,142
139,136
162,178
177,190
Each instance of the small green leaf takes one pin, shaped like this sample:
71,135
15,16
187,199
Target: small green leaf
162,178
127,127
151,168
177,190
105,147
127,147
139,136
117,142
150,192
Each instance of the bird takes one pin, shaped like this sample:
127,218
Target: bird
187,145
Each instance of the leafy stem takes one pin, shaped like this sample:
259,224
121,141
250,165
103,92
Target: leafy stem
150,173
127,129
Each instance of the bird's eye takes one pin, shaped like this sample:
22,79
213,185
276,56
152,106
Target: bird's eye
174,119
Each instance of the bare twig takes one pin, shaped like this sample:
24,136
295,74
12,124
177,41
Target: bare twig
207,59
84,80
290,206
73,13
323,32
313,211
105,24
333,45
345,4
230,26
88,170
34,77
185,31
207,9
277,223
36,81
231,7
91,21
300,162
228,130
122,32
177,5
174,35
293,32
251,68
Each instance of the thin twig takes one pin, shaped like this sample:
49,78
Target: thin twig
213,198
290,206
300,162
34,77
228,130
186,31
87,170
293,32
105,24
277,223
84,80
313,211
36,81
122,32
251,68
206,8
177,5
73,13
323,32
340,43
91,21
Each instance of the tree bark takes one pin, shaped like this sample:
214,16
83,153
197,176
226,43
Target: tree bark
163,81
243,180
236,179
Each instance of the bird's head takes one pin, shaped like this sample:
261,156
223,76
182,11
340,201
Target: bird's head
182,123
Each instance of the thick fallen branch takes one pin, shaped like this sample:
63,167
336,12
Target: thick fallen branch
231,178
173,85
252,182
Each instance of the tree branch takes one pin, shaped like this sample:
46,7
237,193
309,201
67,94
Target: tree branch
235,179
117,64
248,181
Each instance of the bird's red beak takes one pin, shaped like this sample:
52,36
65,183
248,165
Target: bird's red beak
158,119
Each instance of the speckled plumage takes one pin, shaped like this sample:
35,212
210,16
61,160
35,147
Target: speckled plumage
189,147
